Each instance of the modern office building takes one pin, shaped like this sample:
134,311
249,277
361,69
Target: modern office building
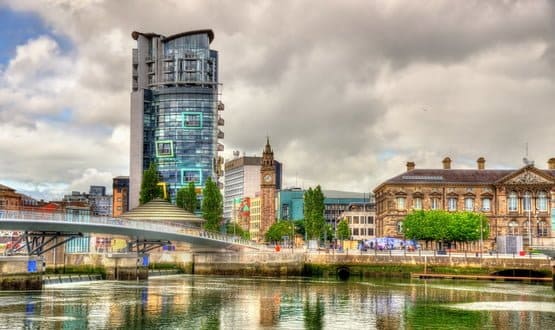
175,110
291,203
517,202
242,180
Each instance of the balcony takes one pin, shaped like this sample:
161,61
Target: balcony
221,106
221,121
149,59
220,134
220,147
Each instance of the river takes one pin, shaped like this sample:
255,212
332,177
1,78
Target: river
211,302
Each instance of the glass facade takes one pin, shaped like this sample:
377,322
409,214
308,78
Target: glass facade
181,112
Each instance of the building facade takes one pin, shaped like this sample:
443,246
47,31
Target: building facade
516,202
120,195
242,180
175,110
254,223
9,199
361,220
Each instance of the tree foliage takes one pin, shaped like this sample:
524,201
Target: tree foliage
234,229
186,198
149,186
443,226
278,230
212,205
314,212
343,231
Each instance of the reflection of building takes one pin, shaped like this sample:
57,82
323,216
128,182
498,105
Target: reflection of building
513,200
9,199
174,110
360,217
269,309
242,179
120,195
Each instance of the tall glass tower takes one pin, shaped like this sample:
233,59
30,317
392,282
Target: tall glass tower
175,110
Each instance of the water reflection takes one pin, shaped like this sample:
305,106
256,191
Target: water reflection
188,302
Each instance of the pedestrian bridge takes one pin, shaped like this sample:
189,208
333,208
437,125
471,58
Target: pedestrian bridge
41,229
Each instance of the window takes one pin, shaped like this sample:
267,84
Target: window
192,120
434,205
370,220
370,231
469,204
400,203
399,227
512,202
191,175
452,203
355,220
417,203
355,231
513,227
542,201
527,201
542,229
486,204
164,148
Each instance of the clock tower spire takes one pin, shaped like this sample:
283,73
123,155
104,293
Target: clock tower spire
267,189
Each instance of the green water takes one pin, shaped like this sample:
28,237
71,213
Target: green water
210,302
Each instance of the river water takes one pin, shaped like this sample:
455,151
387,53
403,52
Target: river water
210,302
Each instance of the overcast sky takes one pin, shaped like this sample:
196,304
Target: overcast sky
348,91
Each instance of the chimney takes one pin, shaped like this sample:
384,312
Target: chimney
410,166
447,163
481,163
551,164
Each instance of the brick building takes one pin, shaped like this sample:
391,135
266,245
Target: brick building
517,202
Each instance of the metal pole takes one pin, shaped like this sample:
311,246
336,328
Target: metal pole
529,226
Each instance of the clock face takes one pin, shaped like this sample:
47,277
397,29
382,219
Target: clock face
267,178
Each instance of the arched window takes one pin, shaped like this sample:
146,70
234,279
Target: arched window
542,228
542,201
512,201
513,228
417,203
486,204
399,227
400,203
527,201
469,204
452,203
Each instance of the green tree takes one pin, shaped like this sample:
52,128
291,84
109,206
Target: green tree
234,229
314,213
186,198
343,231
442,226
149,186
278,230
212,205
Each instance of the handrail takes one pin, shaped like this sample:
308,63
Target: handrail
173,228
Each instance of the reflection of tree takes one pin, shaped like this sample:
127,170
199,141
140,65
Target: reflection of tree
421,315
314,314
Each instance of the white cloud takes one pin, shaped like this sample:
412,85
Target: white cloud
348,93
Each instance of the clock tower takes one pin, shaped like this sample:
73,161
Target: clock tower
267,189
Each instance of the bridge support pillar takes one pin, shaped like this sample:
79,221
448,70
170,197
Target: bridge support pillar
126,266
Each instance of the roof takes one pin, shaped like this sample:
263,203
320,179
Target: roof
344,194
135,34
454,176
161,210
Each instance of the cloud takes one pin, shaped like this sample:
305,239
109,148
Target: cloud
348,91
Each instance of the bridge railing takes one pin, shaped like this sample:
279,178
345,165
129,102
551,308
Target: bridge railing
165,227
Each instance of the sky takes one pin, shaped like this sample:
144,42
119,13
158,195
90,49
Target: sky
348,91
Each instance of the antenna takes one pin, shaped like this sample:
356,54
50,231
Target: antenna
525,160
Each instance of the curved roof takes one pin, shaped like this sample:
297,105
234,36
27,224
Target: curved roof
161,210
135,34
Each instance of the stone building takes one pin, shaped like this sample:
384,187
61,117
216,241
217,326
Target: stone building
516,201
9,199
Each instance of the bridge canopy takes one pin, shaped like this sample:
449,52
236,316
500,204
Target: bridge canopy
161,210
